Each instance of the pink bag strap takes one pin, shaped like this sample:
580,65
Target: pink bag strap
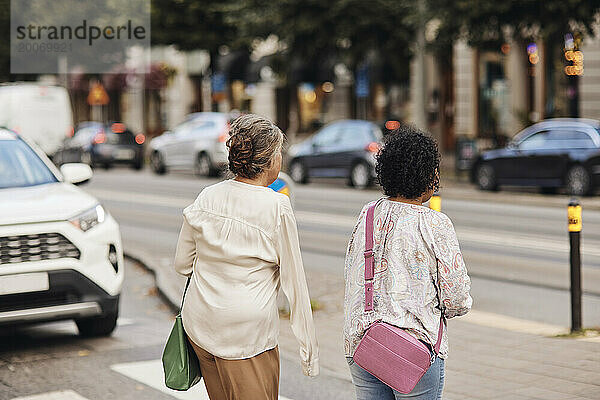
370,272
369,258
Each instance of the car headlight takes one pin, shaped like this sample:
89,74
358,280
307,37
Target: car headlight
89,218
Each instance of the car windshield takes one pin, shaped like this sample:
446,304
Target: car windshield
203,126
20,166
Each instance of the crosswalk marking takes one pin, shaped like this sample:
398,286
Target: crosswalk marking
125,321
60,395
151,374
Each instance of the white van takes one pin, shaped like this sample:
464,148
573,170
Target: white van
40,113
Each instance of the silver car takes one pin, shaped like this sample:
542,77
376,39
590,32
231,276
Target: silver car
197,144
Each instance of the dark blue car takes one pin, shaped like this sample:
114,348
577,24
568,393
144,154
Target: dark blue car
555,153
342,149
96,144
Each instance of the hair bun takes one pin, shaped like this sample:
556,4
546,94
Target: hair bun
241,154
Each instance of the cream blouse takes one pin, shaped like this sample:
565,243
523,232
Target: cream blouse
239,242
419,271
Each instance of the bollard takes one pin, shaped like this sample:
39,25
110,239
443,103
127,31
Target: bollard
575,223
435,203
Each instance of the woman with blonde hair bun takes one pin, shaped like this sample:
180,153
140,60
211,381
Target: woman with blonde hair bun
239,244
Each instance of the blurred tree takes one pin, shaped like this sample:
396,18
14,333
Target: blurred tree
350,30
194,25
491,22
316,35
4,44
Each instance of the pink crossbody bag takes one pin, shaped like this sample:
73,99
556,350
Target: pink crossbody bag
390,353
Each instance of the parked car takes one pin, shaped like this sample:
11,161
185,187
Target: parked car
561,152
98,144
342,149
60,251
198,144
41,113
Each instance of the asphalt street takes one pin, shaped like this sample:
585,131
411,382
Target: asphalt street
516,254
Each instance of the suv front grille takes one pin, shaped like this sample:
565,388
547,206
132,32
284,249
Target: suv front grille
23,301
43,246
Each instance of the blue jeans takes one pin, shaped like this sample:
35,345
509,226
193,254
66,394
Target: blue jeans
368,387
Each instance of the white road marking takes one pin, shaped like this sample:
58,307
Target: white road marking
61,395
141,198
150,373
125,321
478,236
524,241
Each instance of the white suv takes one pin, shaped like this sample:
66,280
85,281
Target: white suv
60,251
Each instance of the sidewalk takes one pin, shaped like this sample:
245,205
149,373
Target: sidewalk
491,356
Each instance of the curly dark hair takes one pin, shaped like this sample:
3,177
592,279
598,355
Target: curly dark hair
408,163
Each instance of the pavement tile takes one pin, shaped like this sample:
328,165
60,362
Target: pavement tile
544,394
458,379
567,387
501,362
484,363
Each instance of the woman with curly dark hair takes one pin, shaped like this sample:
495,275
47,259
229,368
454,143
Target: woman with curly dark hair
419,274
239,244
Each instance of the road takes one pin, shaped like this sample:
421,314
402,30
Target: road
516,254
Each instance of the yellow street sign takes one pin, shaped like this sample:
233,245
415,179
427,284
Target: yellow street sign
574,214
97,96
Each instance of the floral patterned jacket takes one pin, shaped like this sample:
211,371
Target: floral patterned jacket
418,264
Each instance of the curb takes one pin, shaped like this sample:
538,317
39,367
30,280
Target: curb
168,299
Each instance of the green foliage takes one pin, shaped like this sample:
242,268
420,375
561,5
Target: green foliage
4,44
352,30
192,24
315,31
490,22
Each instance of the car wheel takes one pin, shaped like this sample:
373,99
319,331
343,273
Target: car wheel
203,165
578,181
107,165
57,159
86,158
298,172
549,190
138,165
99,326
485,176
360,176
157,163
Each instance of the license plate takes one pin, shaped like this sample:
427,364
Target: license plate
23,283
124,154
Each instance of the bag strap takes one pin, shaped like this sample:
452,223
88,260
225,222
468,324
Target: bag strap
370,273
185,291
438,343
369,258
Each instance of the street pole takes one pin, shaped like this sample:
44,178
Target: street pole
575,223
419,87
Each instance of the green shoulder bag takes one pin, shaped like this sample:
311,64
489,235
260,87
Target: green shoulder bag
180,363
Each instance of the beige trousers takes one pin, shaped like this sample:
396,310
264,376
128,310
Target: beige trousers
255,378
